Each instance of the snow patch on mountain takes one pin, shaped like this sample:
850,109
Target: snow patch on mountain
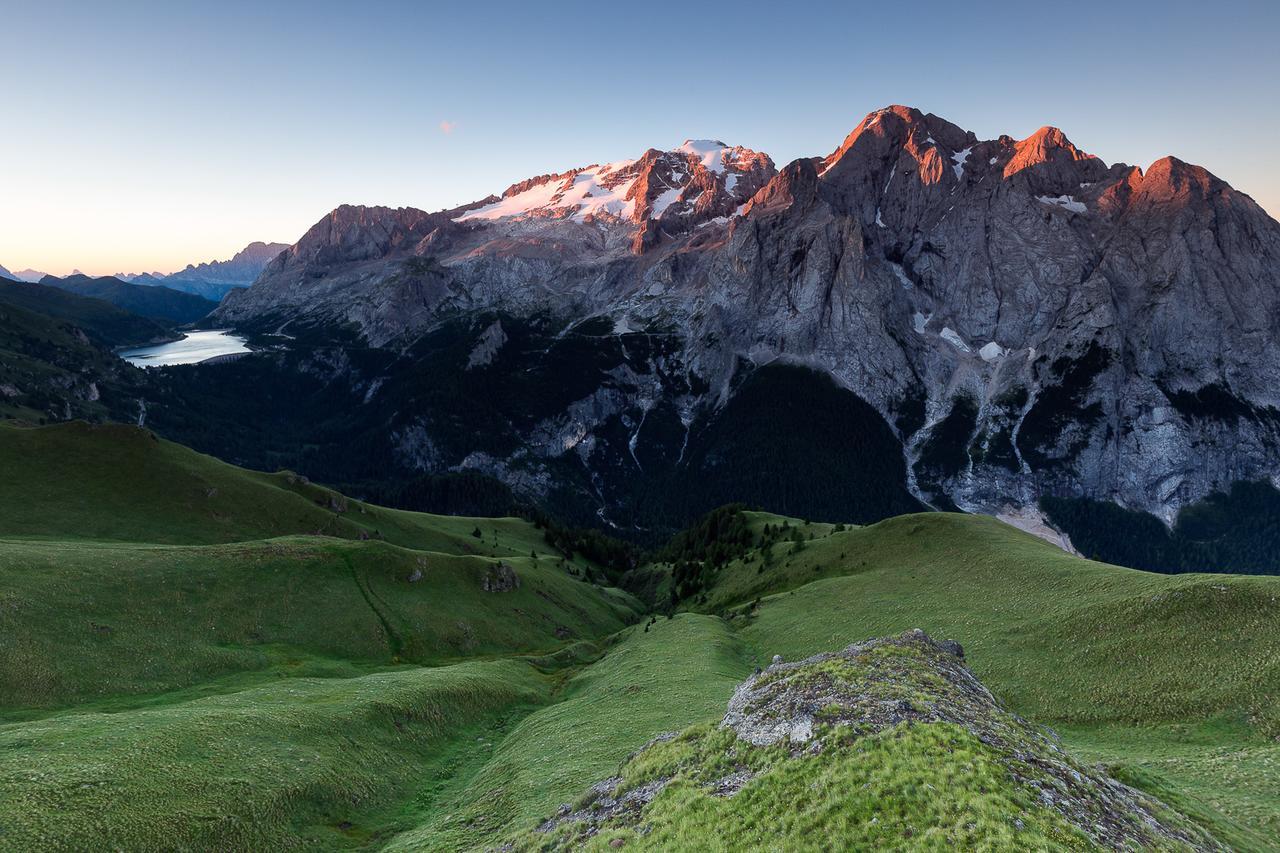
595,191
992,352
711,152
1064,201
663,201
952,337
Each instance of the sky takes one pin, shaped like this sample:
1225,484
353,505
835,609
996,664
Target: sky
146,136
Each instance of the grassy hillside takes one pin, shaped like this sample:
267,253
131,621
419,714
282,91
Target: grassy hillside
115,623
285,764
675,673
1122,644
203,656
153,301
222,658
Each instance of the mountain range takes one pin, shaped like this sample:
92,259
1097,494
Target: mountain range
1023,319
214,279
209,280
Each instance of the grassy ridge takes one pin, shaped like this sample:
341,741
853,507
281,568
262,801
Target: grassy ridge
169,677
1061,638
89,621
904,751
281,765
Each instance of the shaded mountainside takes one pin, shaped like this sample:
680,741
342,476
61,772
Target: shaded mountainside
1026,319
598,427
1237,530
889,742
156,302
55,363
102,322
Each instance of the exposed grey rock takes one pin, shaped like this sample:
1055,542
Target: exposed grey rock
601,805
1088,310
487,346
500,577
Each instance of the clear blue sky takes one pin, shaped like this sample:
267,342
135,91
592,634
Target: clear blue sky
147,135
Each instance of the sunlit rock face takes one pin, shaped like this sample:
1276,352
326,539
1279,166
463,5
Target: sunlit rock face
1026,317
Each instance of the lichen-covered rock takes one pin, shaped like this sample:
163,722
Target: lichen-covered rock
891,742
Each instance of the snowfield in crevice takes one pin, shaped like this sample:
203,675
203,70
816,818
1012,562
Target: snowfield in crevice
1064,201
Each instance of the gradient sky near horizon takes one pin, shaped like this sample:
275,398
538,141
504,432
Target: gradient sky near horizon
144,136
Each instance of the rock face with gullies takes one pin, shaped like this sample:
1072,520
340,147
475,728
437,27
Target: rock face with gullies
811,733
1029,319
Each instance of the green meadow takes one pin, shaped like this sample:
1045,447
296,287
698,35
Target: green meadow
201,657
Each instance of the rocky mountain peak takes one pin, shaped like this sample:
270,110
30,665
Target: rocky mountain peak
1170,178
258,251
1051,159
356,232
887,130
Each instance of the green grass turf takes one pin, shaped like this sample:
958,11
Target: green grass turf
1061,638
681,671
881,793
976,782
91,621
286,764
1219,771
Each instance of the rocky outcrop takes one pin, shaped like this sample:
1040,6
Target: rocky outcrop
812,725
1030,319
500,577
